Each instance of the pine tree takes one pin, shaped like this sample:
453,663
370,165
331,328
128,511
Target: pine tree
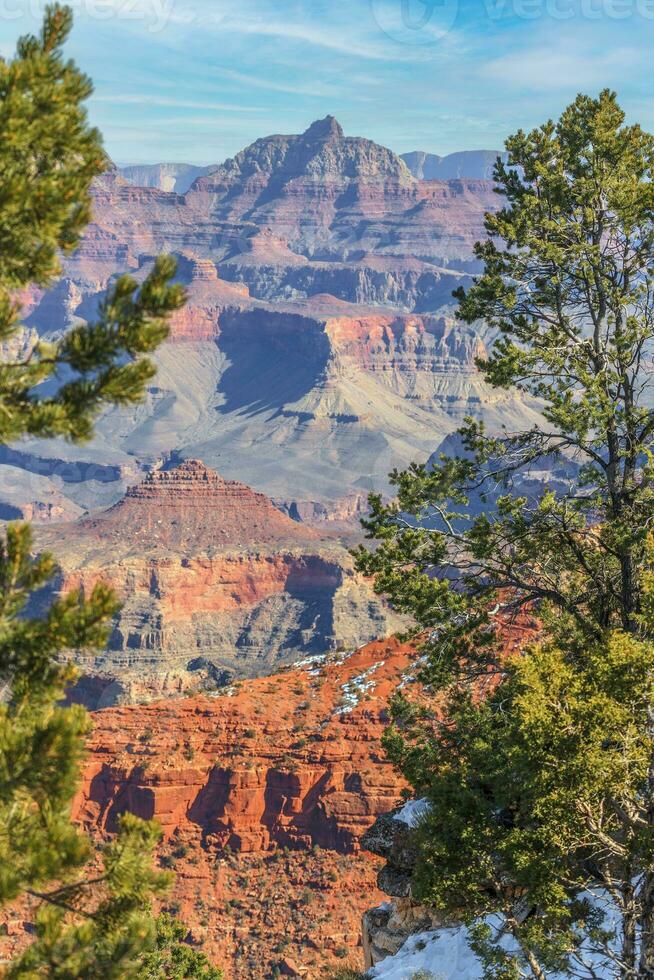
567,291
173,959
93,914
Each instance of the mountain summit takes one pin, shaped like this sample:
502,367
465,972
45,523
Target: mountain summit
322,151
324,129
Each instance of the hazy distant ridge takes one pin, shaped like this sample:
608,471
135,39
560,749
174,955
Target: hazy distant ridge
164,176
474,164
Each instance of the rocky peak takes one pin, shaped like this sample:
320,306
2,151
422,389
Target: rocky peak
323,129
204,270
322,151
192,507
191,480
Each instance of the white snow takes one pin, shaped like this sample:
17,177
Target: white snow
442,955
409,675
412,811
355,688
445,954
313,661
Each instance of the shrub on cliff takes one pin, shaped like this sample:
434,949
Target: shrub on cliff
91,921
173,959
541,828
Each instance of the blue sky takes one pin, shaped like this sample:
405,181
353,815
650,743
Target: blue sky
196,80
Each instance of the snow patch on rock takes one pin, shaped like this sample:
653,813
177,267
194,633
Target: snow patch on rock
441,955
412,811
355,688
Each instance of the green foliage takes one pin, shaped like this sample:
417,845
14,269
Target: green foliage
88,923
542,791
173,959
40,745
48,158
92,911
567,287
48,155
539,803
111,925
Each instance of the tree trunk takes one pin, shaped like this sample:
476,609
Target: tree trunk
646,964
629,928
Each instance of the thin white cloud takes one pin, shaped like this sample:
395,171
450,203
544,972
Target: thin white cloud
170,103
551,68
351,34
321,37
254,81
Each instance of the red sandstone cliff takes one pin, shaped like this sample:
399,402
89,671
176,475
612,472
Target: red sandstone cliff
262,794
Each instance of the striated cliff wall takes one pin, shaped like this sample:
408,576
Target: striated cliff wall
216,583
263,793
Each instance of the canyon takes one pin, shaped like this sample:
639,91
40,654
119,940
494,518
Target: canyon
318,348
263,791
215,582
244,690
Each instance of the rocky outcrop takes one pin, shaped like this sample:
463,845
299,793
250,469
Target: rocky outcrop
263,792
207,295
386,928
344,512
176,177
216,583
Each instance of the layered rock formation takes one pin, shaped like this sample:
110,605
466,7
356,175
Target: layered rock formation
283,760
216,583
319,346
263,793
335,197
387,927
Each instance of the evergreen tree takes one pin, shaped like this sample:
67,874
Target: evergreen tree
92,911
173,959
567,292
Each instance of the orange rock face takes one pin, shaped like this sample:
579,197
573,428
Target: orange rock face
262,794
287,760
